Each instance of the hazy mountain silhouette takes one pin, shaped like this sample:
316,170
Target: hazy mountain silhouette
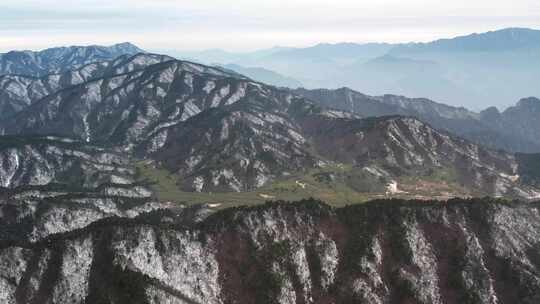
477,71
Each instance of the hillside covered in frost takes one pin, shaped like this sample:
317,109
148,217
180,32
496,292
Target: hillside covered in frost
463,251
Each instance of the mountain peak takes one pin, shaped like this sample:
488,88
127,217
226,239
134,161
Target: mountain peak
491,112
125,44
528,102
514,31
127,47
59,59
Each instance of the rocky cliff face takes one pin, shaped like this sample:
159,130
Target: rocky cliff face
40,161
474,251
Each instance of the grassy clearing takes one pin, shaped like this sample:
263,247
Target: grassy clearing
328,184
165,186
336,184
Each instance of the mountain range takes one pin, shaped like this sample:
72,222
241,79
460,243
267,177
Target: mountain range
121,175
514,129
217,131
475,71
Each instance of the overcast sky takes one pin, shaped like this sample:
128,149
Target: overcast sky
250,24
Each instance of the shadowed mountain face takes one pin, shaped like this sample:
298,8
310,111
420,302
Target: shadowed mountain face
61,59
515,129
520,121
472,251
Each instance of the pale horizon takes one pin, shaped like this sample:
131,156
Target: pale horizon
269,46
247,26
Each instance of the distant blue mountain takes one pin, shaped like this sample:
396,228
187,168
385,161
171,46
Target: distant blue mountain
265,76
339,51
476,71
501,40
